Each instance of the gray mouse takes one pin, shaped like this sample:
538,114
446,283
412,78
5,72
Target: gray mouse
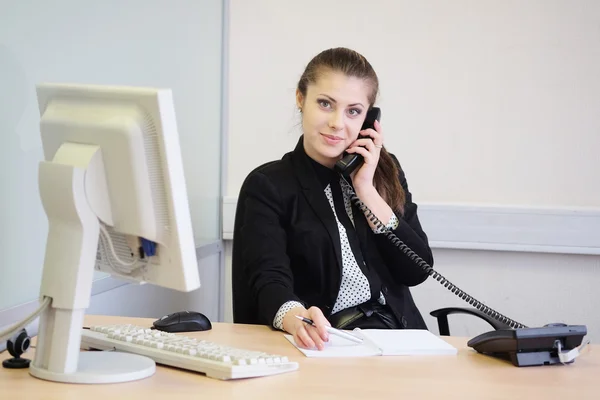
183,321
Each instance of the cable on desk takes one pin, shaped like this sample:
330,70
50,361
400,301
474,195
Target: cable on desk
8,333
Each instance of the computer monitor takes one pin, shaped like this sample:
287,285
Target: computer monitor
113,189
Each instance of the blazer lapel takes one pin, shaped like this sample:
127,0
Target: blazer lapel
313,192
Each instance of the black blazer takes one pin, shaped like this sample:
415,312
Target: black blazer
286,246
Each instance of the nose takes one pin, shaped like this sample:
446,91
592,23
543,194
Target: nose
336,121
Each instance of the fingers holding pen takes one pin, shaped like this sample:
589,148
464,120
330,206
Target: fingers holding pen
307,335
304,339
321,323
318,330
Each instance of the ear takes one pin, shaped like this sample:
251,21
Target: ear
299,99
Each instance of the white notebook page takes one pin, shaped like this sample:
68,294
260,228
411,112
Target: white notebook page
407,342
381,342
339,347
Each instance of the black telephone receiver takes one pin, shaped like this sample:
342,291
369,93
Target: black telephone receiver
350,162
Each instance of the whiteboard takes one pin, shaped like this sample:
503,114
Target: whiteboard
139,43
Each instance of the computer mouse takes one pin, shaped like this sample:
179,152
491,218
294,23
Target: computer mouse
554,324
183,321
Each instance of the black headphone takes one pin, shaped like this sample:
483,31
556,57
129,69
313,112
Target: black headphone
17,345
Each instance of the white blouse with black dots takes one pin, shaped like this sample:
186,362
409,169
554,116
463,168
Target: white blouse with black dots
354,288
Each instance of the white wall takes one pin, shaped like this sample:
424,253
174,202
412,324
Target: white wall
485,102
153,302
135,42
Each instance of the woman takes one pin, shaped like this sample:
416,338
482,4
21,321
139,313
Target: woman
301,247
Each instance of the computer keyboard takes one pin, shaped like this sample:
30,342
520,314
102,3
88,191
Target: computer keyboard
214,360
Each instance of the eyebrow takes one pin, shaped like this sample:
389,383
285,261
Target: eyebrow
334,101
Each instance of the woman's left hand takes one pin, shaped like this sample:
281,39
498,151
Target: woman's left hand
362,178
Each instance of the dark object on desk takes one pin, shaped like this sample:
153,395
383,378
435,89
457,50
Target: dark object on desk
16,346
530,346
183,321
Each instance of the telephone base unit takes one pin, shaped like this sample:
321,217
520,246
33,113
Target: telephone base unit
530,346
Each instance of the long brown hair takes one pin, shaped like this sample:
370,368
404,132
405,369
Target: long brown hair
353,64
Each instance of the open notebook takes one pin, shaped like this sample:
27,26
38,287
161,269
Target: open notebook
382,342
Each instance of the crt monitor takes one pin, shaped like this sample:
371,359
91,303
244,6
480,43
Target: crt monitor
113,189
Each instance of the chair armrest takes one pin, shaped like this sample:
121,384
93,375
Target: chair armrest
442,318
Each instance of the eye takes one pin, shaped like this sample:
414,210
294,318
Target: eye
355,111
324,103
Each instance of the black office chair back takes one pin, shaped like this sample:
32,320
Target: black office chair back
442,318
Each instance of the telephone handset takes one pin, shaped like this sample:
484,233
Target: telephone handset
351,161
524,346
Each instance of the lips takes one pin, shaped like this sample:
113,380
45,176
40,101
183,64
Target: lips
332,138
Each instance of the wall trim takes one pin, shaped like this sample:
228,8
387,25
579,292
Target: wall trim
500,228
208,248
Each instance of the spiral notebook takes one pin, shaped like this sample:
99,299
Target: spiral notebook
382,342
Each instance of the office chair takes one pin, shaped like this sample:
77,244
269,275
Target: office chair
442,318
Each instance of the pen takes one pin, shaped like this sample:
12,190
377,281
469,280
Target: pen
333,331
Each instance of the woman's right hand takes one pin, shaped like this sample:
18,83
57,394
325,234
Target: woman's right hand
305,335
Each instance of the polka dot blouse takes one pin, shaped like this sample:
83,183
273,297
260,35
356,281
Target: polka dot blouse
354,288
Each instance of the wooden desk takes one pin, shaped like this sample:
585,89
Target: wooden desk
466,376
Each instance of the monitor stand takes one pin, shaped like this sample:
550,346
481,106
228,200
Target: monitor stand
74,196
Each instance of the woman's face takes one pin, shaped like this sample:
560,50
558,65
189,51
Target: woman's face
333,112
